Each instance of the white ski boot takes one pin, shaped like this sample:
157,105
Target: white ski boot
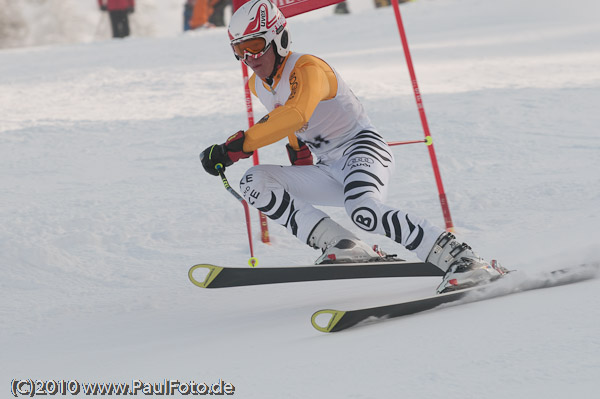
340,245
464,268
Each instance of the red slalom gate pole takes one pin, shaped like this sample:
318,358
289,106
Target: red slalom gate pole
429,140
264,228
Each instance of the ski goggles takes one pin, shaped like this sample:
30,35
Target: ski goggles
254,48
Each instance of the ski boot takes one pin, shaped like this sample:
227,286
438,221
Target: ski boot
340,245
464,268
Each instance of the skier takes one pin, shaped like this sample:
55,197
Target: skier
119,11
311,105
188,10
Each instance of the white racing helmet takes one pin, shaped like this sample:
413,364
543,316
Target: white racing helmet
258,19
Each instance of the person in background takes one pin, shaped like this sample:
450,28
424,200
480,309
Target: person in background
188,10
218,16
119,11
341,8
203,10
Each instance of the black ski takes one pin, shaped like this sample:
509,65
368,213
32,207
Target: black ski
221,277
338,320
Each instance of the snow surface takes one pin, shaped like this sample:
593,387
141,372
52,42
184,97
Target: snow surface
105,206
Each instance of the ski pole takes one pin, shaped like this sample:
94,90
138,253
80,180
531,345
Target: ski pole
219,167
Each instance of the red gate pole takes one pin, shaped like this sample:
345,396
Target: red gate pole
434,163
264,228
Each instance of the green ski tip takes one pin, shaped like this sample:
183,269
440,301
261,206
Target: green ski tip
213,271
334,317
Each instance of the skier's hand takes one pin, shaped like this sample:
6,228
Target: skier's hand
301,157
225,154
213,156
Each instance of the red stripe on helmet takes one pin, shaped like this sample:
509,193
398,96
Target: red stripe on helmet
260,21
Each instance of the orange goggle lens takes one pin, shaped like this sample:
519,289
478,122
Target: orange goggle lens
253,46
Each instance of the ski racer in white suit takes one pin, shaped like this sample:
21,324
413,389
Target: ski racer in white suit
311,106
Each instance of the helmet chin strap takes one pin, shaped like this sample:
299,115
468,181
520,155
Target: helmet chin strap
277,64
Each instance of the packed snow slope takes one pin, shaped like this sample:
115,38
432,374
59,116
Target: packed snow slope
105,206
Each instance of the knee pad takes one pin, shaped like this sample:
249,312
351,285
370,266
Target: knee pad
253,183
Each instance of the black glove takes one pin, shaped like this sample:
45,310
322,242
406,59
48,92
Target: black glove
224,154
215,155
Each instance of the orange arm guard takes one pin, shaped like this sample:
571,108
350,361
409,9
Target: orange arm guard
311,81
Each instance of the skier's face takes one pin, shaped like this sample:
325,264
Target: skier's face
263,65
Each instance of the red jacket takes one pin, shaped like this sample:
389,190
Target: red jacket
112,5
